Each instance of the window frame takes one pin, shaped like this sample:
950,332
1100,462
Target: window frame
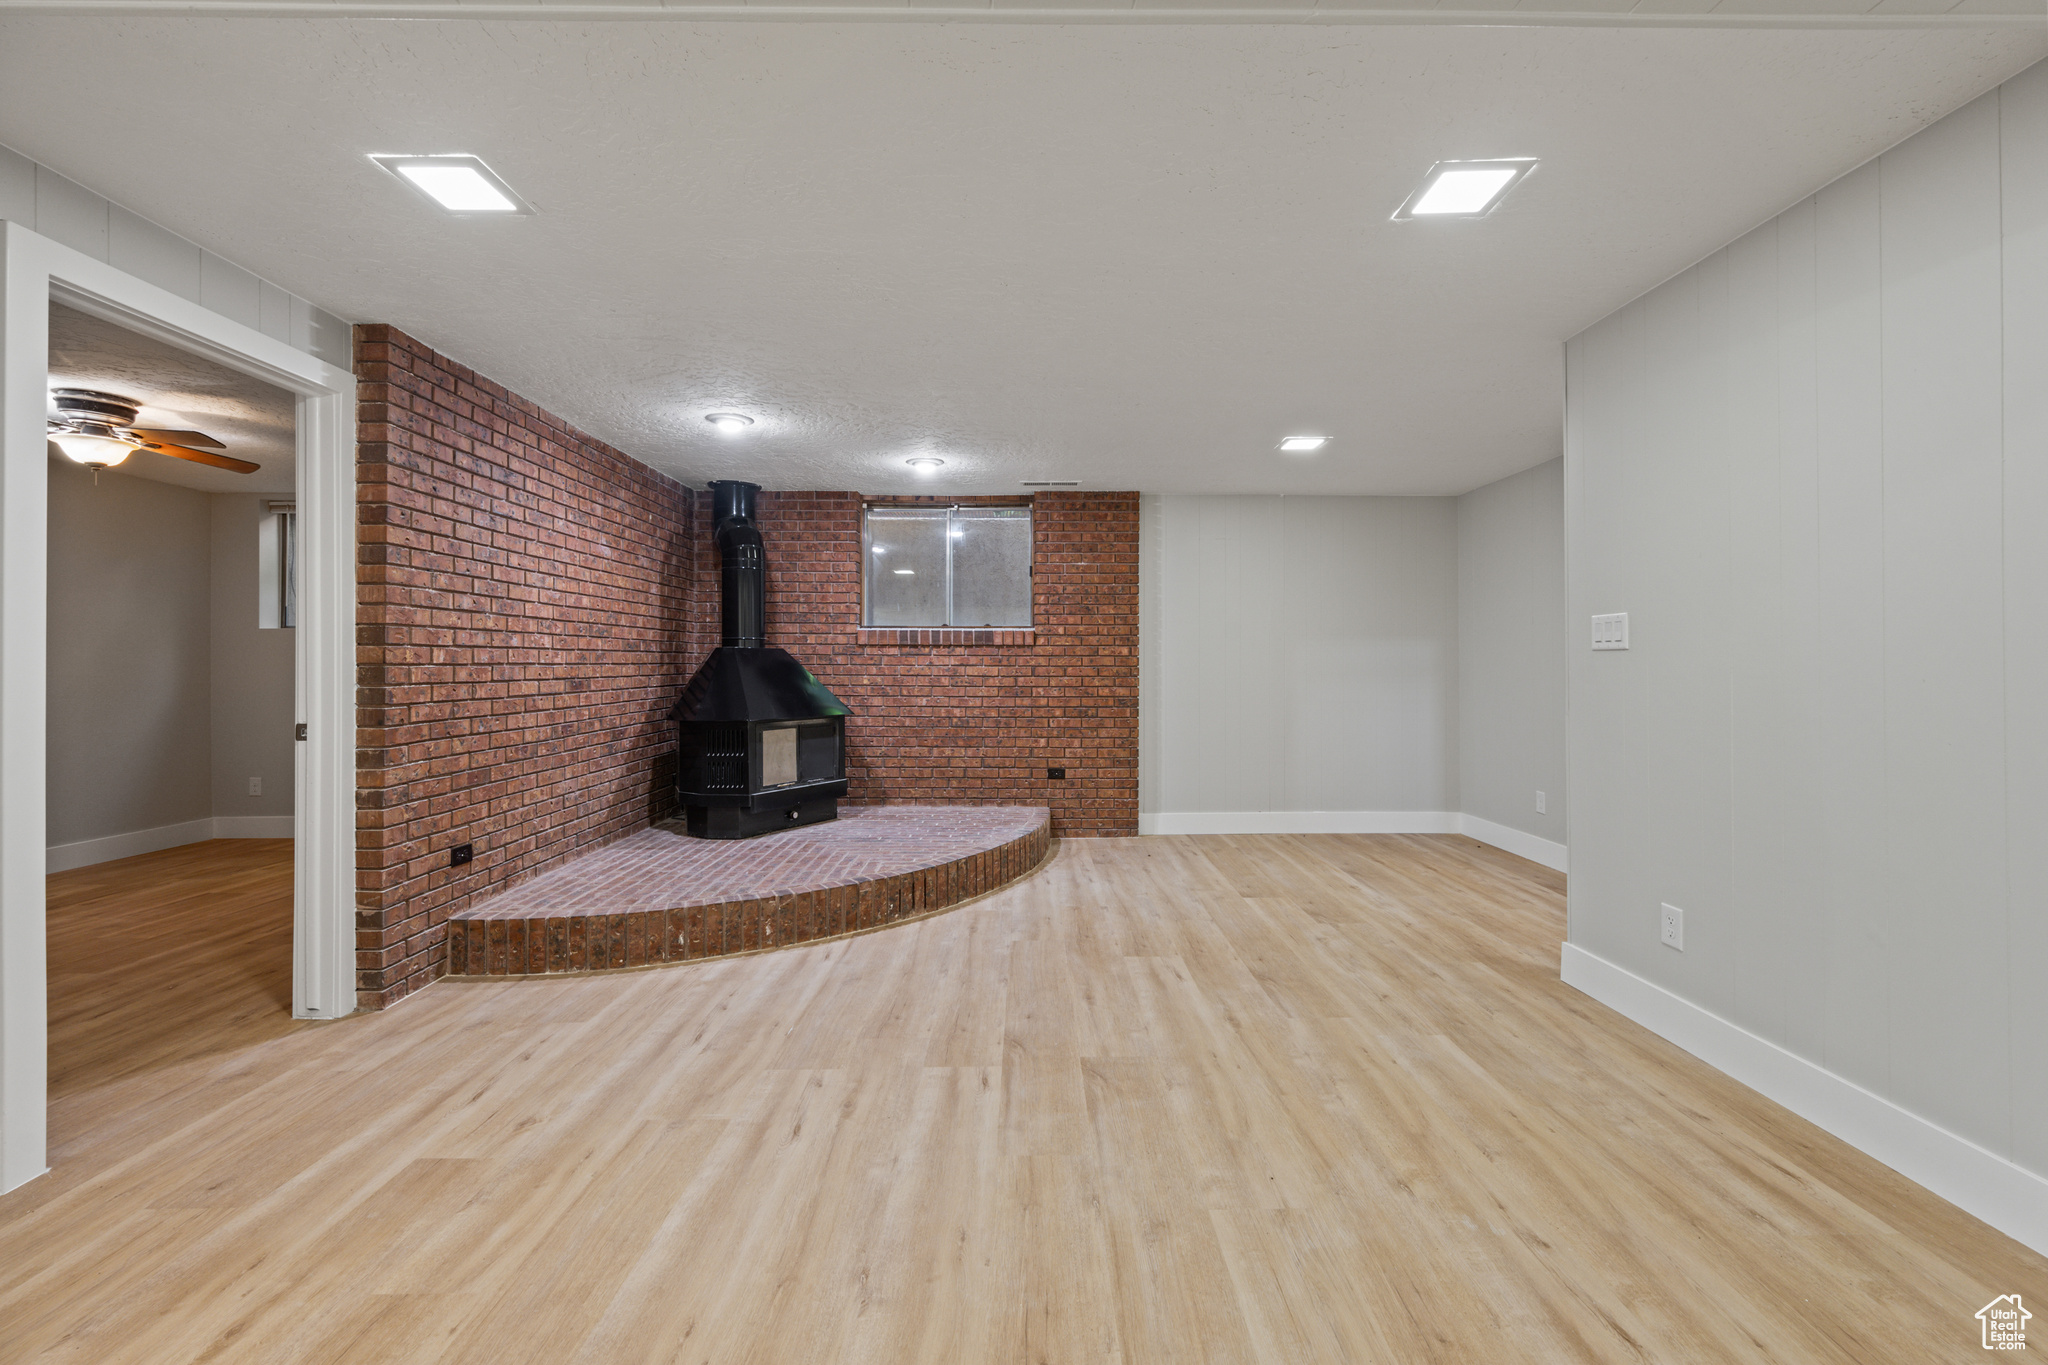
867,557
277,565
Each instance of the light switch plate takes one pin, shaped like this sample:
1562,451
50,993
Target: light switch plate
1611,631
1672,927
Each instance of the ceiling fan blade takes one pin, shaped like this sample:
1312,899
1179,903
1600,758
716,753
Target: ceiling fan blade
176,438
203,457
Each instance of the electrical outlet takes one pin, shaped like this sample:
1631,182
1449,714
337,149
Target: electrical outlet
460,854
1056,774
1542,803
255,786
1672,929
1611,631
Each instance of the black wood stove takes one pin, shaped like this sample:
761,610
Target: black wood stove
761,744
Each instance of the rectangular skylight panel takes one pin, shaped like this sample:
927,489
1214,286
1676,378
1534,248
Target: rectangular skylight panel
460,183
459,189
1465,189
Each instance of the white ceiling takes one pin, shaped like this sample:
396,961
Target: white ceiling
181,391
1894,14
1134,256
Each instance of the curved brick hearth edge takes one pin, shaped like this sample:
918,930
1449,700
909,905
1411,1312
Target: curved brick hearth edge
660,896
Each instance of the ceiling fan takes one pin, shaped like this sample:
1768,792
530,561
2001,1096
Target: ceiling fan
98,430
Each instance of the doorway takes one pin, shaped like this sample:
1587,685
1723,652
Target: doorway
35,273
170,707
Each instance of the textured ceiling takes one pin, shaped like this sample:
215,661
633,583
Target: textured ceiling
1132,256
252,419
1645,13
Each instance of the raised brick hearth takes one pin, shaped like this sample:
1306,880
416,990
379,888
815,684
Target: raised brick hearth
661,896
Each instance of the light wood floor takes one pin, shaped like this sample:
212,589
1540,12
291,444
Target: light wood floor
1277,1099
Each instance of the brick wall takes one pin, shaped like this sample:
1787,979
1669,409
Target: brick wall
974,723
529,601
521,605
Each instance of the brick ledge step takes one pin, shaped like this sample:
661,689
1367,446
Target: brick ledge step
527,931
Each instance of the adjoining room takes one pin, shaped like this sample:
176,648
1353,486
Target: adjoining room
171,703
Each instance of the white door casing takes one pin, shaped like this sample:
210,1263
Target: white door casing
33,271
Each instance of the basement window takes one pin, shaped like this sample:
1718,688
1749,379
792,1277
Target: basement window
934,568
277,567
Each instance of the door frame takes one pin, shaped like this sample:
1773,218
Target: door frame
35,270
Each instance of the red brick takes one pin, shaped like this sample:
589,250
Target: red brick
529,600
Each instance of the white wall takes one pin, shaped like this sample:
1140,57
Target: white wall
1297,655
130,713
1511,652
252,673
165,697
1348,664
43,201
1814,471
242,721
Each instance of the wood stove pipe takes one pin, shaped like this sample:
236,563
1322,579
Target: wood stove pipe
742,565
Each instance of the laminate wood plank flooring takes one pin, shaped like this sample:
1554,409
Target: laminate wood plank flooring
167,956
1261,1100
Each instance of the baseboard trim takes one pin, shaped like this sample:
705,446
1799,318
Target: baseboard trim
1299,822
1515,841
2009,1197
1519,842
254,827
87,852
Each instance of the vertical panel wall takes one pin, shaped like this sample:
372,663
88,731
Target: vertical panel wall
65,211
2023,181
1814,471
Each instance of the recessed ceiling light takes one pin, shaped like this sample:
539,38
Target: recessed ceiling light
729,423
1465,189
905,571
458,182
924,464
881,549
1303,443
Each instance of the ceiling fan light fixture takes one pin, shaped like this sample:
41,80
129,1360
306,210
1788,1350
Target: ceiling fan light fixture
98,430
94,452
